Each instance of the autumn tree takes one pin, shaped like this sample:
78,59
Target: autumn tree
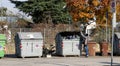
82,10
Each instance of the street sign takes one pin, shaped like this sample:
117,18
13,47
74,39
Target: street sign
113,6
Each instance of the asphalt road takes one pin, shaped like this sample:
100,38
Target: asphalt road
60,61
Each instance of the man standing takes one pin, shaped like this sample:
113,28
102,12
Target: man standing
85,42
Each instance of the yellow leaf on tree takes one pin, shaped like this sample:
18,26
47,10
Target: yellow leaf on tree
95,2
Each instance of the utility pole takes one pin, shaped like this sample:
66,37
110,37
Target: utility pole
113,6
106,26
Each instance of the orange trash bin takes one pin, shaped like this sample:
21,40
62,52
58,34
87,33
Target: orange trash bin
91,48
104,48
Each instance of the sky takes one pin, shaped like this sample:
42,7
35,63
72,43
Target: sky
8,5
11,7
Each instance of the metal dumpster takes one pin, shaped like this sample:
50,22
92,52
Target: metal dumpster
116,44
2,45
28,44
67,43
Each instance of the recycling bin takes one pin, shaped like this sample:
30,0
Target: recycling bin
67,43
116,44
104,48
91,48
28,44
2,45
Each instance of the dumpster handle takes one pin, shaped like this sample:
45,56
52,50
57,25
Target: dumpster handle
32,48
72,46
27,44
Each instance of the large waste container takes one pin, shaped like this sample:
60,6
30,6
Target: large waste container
28,44
2,45
67,43
116,44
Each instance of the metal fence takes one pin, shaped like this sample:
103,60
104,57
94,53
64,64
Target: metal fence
50,33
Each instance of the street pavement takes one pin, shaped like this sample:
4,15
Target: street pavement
60,61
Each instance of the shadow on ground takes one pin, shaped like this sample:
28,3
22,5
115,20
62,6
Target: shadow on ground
10,56
14,56
109,64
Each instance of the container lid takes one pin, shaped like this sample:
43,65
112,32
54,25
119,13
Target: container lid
70,35
117,34
2,37
30,35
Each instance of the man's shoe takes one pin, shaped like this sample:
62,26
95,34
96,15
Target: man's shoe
87,55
